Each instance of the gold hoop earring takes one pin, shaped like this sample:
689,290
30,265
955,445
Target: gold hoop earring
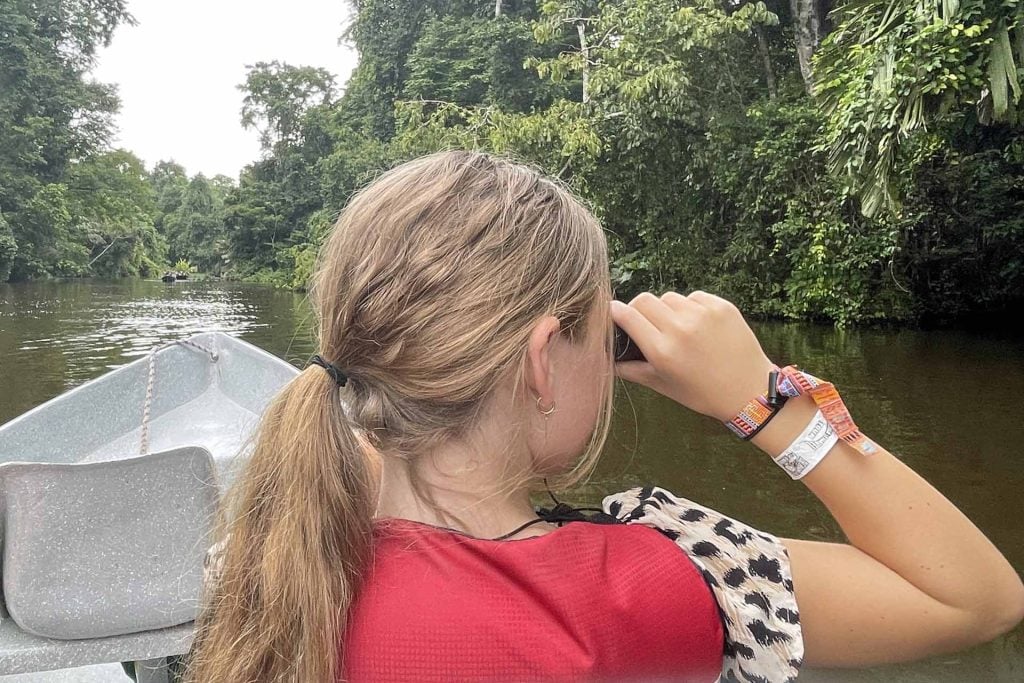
544,412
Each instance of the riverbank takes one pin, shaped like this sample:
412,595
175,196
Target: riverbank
1000,322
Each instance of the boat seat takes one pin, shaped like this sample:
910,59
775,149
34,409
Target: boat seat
101,541
100,550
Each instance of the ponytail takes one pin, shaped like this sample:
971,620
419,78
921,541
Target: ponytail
297,534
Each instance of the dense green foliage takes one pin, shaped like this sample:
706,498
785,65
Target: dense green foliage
892,68
190,217
855,161
883,181
54,124
69,205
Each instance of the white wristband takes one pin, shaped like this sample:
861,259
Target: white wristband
808,449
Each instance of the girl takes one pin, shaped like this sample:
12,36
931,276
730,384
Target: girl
383,530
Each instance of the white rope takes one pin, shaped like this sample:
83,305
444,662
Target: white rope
151,380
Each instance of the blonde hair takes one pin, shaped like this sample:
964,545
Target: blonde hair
426,294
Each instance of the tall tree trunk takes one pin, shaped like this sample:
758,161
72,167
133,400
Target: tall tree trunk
581,29
810,28
766,60
497,8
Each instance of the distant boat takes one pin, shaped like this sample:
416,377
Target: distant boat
169,277
124,471
181,276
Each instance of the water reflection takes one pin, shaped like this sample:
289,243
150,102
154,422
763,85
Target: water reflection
943,401
55,335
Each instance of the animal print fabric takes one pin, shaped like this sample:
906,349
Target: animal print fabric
748,572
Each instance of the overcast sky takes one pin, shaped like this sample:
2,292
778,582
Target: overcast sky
178,68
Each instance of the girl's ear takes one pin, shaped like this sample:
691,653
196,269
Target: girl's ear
539,371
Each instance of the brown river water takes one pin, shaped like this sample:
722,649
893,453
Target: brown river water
941,400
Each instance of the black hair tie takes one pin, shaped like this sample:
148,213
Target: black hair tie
336,374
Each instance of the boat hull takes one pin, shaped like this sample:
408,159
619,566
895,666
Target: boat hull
196,399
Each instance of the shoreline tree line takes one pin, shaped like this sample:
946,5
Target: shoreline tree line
841,160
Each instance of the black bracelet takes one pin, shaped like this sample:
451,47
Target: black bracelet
764,424
774,399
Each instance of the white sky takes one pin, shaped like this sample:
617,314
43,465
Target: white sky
178,68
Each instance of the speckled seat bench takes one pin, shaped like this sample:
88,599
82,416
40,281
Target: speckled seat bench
102,547
103,561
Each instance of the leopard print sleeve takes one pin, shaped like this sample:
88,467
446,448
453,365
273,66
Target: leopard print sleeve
748,573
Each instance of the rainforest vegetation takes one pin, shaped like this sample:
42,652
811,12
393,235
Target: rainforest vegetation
844,160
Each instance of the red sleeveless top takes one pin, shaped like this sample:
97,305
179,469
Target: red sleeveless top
585,602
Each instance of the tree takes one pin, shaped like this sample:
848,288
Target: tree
384,33
51,117
276,97
688,127
256,220
678,120
893,67
472,60
169,181
810,26
8,249
112,207
190,216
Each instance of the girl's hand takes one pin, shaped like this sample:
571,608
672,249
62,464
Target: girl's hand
700,351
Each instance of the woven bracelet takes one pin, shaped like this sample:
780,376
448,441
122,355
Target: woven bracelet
790,382
752,418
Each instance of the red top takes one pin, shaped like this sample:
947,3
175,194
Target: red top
585,602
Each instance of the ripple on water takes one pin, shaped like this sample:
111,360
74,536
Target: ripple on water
98,327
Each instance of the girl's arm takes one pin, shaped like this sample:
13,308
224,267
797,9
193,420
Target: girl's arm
917,578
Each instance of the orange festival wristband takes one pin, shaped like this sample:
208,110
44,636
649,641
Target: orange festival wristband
790,382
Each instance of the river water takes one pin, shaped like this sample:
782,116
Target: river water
940,400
